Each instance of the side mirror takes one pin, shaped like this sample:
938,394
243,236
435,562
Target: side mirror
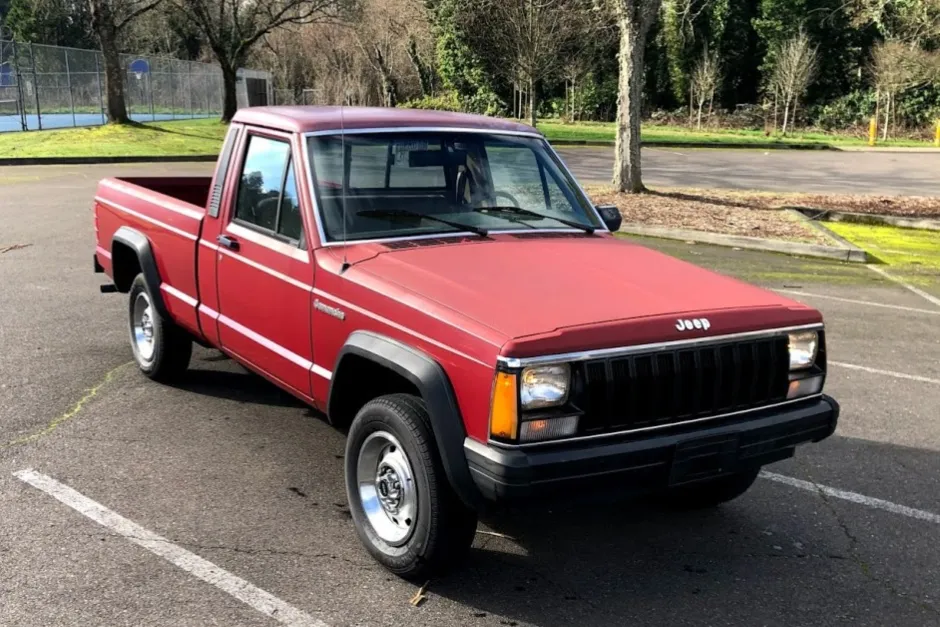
611,217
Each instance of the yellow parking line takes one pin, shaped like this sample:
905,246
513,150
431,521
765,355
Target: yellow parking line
90,393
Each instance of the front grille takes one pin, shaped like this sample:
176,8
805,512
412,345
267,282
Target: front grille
669,386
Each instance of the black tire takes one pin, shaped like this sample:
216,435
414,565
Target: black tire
712,493
444,527
172,347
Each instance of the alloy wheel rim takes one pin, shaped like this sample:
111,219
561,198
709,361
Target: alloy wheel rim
142,323
386,488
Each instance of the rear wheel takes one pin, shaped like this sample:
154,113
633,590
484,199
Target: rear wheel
710,493
405,512
162,350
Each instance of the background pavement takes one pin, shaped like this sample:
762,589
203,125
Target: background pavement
907,173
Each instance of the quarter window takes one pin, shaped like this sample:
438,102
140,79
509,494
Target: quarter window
267,192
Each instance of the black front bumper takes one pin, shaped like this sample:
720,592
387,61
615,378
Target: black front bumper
648,463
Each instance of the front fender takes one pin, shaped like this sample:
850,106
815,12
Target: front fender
432,382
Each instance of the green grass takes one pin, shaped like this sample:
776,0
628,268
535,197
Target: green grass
204,136
604,131
180,137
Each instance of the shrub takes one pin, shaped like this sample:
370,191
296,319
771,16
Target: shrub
446,101
852,109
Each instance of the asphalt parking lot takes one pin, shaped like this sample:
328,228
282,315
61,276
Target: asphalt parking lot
910,173
227,468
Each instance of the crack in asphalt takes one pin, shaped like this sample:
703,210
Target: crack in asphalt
90,393
864,567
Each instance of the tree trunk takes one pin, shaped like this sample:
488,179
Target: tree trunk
567,103
796,102
424,72
627,171
786,113
888,98
230,97
776,99
113,79
701,103
574,100
691,102
532,101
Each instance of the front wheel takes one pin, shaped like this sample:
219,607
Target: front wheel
710,493
404,510
162,350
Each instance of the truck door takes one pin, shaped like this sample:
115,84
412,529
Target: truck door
264,266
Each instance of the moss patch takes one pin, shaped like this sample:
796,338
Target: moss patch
905,249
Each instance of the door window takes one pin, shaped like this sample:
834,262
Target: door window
267,192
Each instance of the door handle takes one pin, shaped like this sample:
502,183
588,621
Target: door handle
228,242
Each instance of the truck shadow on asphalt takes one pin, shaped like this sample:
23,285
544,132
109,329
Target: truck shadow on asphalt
635,564
775,556
233,383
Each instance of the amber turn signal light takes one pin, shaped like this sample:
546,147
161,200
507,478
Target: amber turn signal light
504,419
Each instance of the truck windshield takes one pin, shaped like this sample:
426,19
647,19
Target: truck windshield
383,185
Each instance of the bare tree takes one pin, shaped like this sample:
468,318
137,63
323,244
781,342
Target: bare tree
634,19
897,67
109,20
233,27
385,35
793,73
530,35
704,79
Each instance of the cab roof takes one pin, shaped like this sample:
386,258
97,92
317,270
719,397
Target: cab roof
309,119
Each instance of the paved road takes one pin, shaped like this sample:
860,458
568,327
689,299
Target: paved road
916,174
231,469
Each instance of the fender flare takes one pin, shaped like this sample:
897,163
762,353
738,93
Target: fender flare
434,385
138,242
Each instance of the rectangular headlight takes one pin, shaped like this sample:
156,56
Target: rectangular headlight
803,348
544,386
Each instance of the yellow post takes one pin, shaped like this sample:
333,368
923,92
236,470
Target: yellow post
936,139
873,131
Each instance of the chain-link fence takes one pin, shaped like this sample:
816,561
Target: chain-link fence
45,87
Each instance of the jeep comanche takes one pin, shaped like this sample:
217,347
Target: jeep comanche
440,286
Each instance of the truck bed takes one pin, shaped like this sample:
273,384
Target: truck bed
169,212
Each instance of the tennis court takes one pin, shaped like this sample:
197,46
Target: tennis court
48,87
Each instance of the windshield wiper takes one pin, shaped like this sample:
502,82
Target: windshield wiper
407,213
528,212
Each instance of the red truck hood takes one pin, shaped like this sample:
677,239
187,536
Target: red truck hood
552,295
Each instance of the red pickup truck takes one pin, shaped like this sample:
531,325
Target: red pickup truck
439,285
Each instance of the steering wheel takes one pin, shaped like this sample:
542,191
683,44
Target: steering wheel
510,197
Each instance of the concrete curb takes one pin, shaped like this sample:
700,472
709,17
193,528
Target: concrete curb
14,161
854,255
663,144
827,215
812,223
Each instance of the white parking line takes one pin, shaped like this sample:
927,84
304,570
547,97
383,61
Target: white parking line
242,590
854,301
853,497
916,290
887,373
